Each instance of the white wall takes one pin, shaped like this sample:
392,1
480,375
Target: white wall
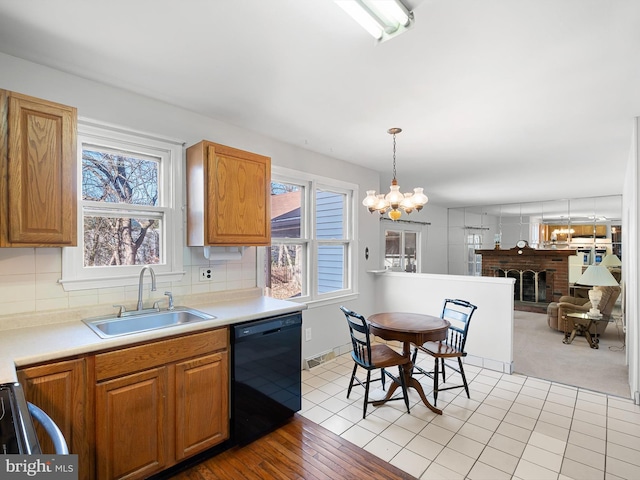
435,242
490,342
631,260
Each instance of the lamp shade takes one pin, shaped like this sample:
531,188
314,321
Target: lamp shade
611,260
597,276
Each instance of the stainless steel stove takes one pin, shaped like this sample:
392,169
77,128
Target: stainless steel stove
17,433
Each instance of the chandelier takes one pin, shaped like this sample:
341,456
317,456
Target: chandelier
395,202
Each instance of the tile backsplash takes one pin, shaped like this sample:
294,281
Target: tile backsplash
29,283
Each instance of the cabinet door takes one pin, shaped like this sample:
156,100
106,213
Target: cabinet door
132,425
238,201
202,403
40,198
228,196
60,389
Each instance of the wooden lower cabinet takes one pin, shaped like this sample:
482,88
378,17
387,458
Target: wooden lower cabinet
202,403
61,390
131,416
133,412
159,403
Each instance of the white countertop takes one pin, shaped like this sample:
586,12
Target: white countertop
35,344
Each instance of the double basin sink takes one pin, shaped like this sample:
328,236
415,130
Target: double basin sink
107,327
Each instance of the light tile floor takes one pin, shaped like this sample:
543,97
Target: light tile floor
513,427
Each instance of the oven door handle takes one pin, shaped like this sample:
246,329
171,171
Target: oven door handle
51,428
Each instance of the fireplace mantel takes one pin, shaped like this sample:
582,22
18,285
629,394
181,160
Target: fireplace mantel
526,252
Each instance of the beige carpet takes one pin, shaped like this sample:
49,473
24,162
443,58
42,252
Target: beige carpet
539,352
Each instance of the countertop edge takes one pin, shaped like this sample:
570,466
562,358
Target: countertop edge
37,344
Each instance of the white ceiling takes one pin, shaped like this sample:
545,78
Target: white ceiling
500,101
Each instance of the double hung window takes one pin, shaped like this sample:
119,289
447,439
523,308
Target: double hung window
127,209
312,238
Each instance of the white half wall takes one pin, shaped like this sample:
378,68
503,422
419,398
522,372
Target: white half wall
490,341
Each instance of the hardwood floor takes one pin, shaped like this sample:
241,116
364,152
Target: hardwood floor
300,449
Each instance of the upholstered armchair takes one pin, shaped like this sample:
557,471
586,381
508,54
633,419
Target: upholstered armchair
568,304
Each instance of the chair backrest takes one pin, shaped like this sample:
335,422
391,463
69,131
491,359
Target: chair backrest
359,330
609,296
458,313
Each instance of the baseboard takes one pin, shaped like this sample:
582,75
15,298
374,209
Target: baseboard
498,366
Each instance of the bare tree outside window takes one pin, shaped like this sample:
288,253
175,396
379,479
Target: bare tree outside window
121,235
284,258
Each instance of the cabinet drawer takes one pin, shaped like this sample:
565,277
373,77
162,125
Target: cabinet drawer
141,357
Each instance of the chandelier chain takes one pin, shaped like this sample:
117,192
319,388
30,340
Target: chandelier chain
395,202
394,156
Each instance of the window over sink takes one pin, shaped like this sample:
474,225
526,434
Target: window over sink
128,208
121,210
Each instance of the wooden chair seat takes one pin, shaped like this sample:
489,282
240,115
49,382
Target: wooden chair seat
370,357
441,349
383,356
458,313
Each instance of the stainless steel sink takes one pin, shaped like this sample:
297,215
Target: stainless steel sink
107,327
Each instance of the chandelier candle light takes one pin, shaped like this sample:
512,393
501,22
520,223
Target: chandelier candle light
395,202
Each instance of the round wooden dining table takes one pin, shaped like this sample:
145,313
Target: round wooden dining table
408,328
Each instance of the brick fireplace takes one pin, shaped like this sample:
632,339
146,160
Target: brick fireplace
541,276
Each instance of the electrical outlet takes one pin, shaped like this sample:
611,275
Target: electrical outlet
307,334
206,274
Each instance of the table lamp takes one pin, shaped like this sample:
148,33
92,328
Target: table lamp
596,276
611,260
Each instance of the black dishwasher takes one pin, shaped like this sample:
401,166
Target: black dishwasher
265,375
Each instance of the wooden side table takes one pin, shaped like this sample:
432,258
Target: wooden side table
582,323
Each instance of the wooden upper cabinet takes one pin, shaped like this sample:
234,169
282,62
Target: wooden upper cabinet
228,196
38,172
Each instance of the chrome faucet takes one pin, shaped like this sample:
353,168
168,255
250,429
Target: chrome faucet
170,295
153,283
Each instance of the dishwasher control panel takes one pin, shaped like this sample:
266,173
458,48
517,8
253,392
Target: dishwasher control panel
267,325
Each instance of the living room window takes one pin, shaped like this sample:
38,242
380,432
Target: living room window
127,209
474,261
312,238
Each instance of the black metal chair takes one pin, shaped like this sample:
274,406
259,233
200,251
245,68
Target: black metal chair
372,357
458,313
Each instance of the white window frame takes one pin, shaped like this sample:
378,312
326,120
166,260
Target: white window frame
473,242
75,276
403,229
308,239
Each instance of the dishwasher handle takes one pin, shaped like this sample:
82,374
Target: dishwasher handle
269,332
245,331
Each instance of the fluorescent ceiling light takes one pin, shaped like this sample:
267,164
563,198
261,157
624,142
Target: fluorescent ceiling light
383,19
395,13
